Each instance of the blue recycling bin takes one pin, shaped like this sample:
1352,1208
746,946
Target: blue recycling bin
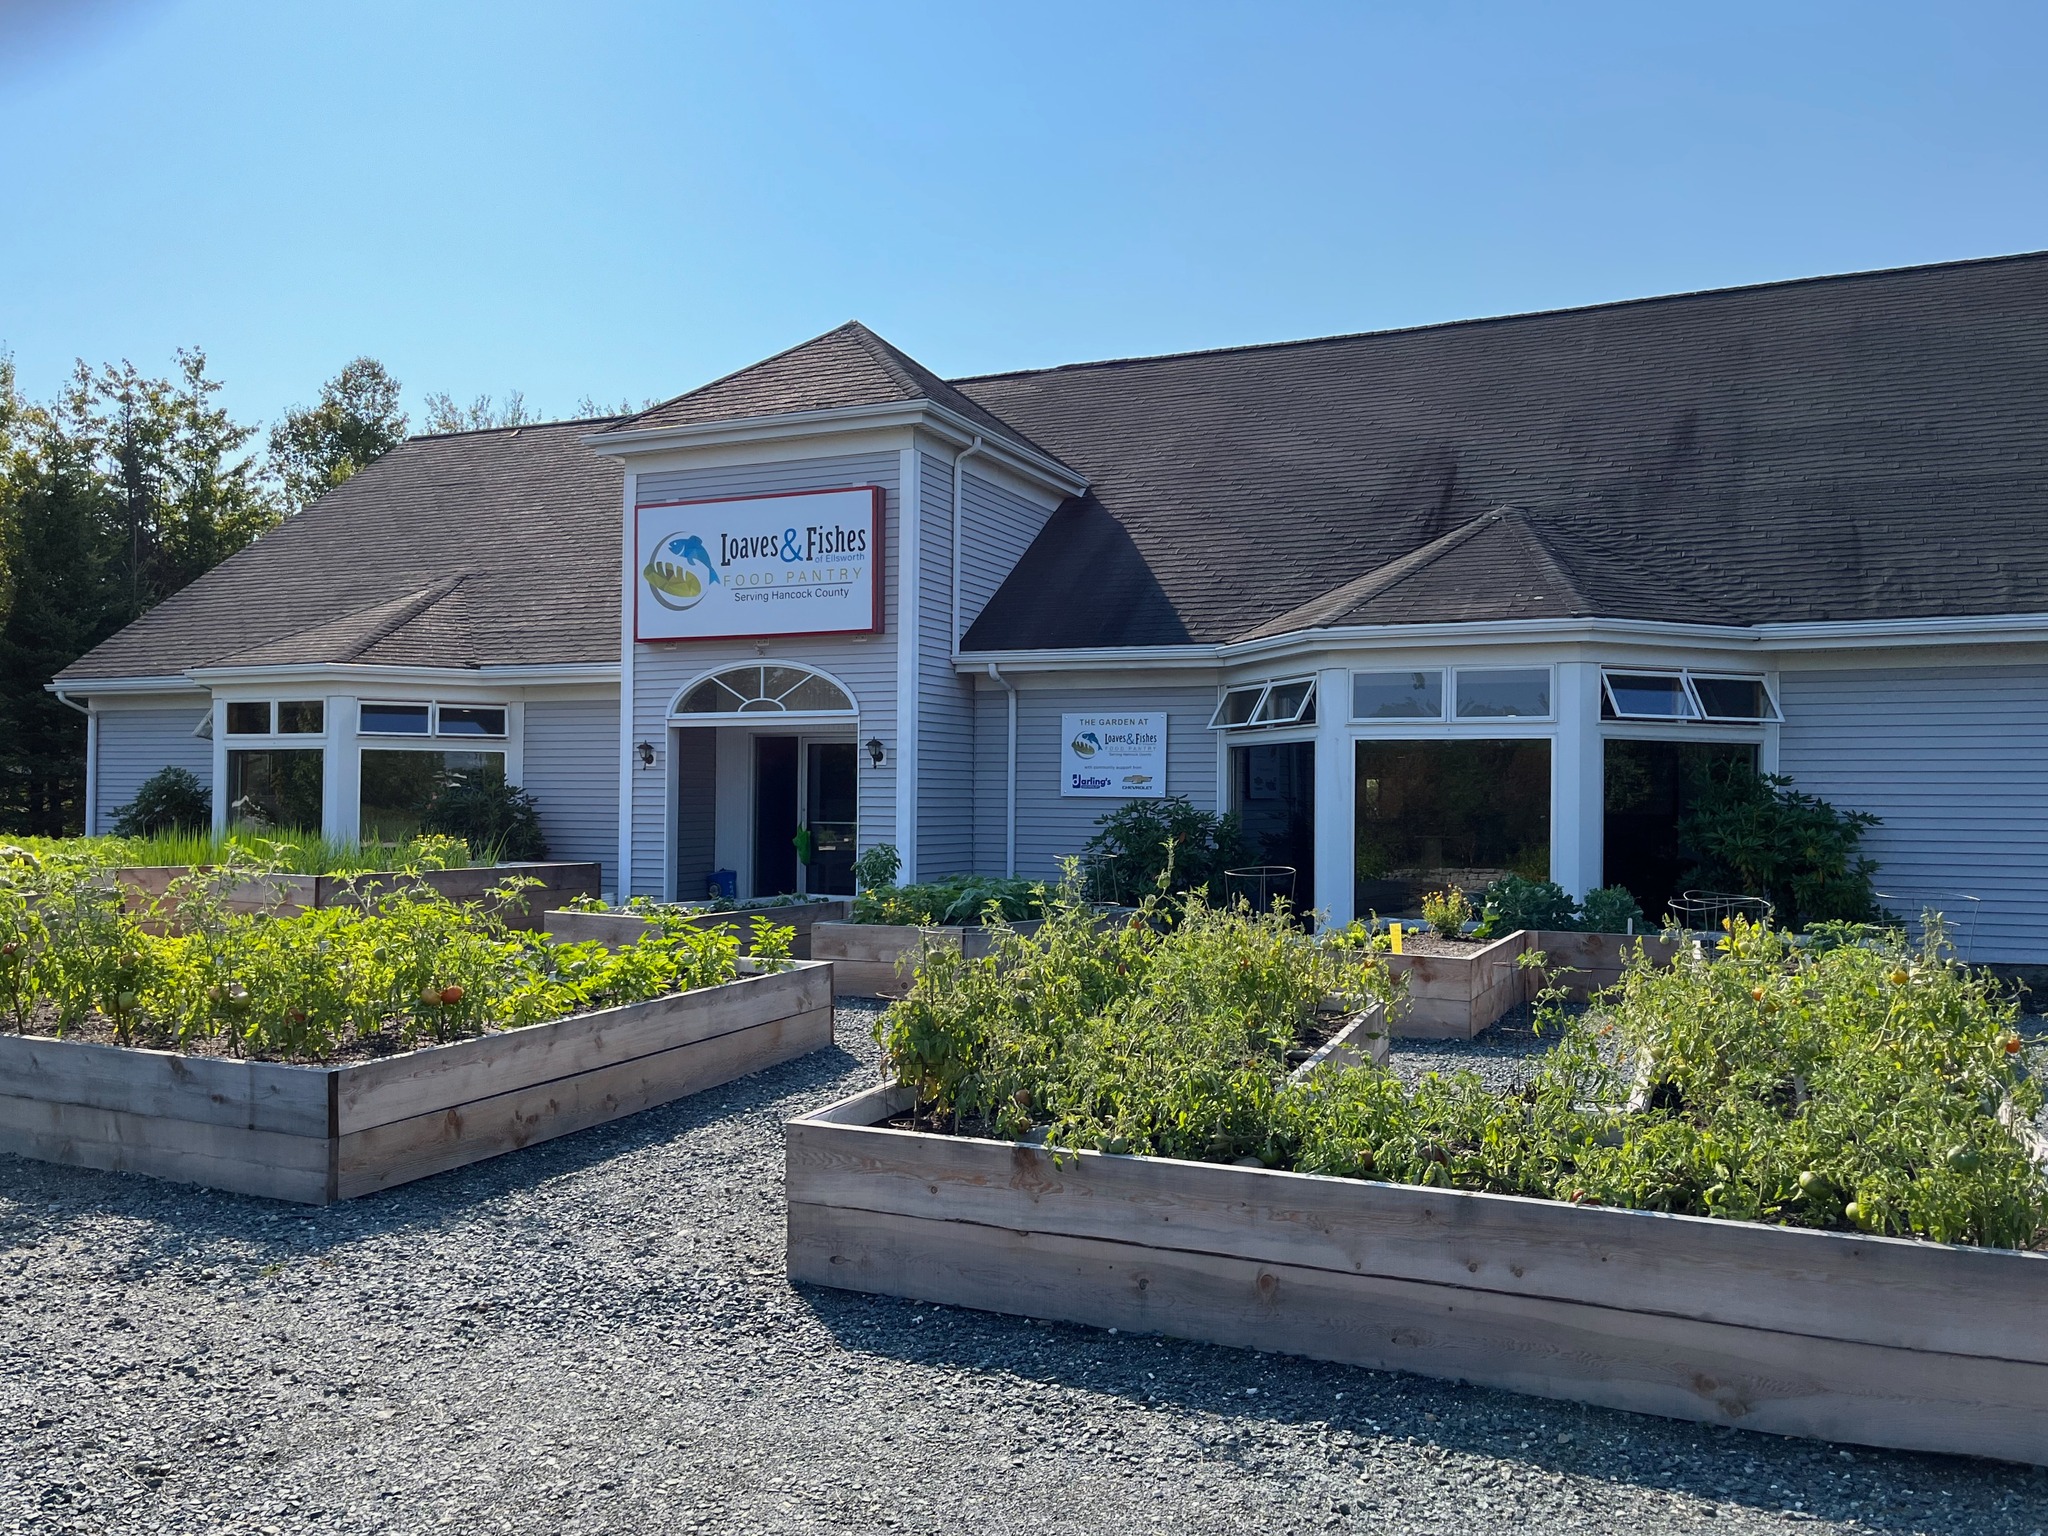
724,885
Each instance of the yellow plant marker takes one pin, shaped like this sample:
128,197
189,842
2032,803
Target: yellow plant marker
1395,930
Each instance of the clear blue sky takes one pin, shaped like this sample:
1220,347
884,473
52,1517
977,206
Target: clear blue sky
629,199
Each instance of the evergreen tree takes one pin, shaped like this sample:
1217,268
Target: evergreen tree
357,421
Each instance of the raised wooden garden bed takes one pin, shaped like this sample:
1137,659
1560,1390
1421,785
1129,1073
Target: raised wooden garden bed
317,1134
1584,963
869,958
1453,997
617,928
282,895
1875,1341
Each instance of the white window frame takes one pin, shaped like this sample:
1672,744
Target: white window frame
1695,710
764,719
1265,687
1771,715
433,707
1443,697
1452,715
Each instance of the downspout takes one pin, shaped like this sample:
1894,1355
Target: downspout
953,634
92,755
1010,783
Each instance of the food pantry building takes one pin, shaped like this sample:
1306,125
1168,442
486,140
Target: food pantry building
1423,605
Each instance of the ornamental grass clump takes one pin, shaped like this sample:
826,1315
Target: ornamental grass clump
407,967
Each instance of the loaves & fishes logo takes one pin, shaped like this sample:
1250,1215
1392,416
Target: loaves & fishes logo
671,573
1087,744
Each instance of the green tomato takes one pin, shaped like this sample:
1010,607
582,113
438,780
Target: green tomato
1963,1160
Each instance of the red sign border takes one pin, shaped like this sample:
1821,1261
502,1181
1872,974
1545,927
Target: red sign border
880,624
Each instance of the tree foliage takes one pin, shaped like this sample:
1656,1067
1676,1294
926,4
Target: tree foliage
480,415
356,422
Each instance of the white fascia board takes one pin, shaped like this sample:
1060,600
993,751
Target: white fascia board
1976,629
87,687
948,425
1315,642
322,675
1991,629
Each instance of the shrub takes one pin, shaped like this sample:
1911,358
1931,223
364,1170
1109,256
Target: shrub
480,807
1752,834
1447,912
171,799
1166,846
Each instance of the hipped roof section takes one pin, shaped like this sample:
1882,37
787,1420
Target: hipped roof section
1873,446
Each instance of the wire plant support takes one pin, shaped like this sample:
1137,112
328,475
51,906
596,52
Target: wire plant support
1712,911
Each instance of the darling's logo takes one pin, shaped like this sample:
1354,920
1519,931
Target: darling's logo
1087,744
671,574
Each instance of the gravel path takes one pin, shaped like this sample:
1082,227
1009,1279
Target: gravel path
595,1336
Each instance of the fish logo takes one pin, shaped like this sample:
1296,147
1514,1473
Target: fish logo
671,574
1087,744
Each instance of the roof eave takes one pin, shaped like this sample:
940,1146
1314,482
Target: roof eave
926,414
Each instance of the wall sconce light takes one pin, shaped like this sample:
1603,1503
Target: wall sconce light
875,752
645,752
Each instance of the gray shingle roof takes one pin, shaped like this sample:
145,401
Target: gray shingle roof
847,366
478,548
1870,446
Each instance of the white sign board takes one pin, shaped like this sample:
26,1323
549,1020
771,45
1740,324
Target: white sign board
1113,757
806,563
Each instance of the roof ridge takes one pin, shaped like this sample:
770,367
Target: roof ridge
888,358
514,427
724,378
425,599
1527,521
1512,317
1383,577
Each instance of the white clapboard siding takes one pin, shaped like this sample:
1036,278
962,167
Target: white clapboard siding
865,664
1955,760
945,741
571,767
1050,826
999,526
135,743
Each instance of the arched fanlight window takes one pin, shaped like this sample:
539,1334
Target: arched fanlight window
764,690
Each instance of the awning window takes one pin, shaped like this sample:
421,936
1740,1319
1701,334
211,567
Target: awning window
1279,701
1682,695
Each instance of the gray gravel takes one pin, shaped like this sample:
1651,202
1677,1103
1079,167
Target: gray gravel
595,1335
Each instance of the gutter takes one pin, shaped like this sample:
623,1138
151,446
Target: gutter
1010,779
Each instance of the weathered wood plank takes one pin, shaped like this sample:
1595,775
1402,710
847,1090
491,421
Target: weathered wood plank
255,1095
277,1165
1871,1290
401,1151
1707,1372
422,1082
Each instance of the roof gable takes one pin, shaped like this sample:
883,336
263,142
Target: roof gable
845,367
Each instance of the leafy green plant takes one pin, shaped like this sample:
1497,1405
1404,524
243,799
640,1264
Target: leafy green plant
1845,1080
1165,1033
1165,846
1513,902
169,799
405,967
877,867
481,807
1753,834
1610,909
1447,912
961,899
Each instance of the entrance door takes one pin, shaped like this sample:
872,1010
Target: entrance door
775,816
1273,786
831,806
